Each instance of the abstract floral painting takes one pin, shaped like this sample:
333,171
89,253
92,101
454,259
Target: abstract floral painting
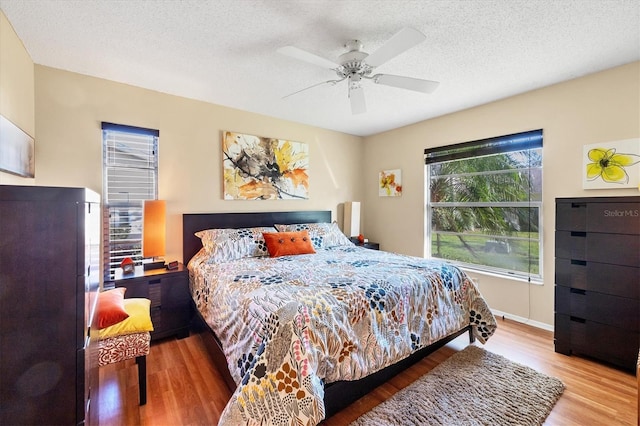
612,164
261,168
390,183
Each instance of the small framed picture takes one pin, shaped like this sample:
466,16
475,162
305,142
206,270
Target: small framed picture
611,165
390,183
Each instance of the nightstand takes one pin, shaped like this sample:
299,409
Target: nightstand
368,244
169,295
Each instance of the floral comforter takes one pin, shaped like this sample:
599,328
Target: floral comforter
290,324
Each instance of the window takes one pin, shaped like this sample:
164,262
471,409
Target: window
130,176
484,204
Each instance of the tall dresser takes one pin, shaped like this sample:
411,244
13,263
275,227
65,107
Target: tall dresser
597,292
49,284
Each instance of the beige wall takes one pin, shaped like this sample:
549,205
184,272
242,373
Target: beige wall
596,108
70,108
16,88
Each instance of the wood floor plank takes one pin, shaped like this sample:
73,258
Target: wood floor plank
184,387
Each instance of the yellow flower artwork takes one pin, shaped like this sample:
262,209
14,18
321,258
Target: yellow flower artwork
390,183
261,168
612,164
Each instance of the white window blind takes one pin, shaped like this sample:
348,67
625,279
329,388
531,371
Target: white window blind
130,176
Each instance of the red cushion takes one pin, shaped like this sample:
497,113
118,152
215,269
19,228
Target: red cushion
288,243
110,309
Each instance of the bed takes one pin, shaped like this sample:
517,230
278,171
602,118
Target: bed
299,337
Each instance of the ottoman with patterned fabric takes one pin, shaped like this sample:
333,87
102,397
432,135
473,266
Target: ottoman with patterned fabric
124,332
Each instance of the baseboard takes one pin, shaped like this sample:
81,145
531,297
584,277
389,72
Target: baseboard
523,320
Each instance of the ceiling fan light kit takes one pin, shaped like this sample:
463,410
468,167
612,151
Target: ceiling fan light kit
354,65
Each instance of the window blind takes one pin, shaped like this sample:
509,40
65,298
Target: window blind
509,143
130,176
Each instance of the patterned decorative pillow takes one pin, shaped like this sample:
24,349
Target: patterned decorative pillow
323,235
224,245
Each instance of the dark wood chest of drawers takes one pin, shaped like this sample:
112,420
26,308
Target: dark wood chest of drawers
597,301
49,286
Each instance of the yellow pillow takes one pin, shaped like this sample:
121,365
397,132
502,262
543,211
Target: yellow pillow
139,319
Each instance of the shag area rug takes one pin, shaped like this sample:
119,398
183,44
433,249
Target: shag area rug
472,387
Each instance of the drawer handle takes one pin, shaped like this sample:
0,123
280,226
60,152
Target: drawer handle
156,281
578,234
579,262
576,319
578,291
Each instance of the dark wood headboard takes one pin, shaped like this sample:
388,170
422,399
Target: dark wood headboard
194,222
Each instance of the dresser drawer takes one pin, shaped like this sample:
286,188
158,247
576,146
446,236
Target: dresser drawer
605,342
604,217
571,216
616,249
597,307
614,218
571,245
616,280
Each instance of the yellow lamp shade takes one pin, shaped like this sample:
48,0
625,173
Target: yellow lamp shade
154,214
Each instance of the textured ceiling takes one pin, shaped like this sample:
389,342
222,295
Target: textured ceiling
224,51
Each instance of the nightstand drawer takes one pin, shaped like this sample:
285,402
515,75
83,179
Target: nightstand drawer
155,294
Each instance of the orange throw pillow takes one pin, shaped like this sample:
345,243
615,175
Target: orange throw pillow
110,309
288,243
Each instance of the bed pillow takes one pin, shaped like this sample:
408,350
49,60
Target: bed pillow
288,243
223,245
323,235
139,320
110,308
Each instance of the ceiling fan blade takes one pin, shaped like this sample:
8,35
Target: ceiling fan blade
403,40
358,104
305,56
331,82
409,83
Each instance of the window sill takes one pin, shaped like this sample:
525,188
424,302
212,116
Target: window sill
535,281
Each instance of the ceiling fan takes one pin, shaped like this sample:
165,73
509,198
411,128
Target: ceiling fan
356,65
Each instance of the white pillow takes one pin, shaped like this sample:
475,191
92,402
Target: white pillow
223,245
323,235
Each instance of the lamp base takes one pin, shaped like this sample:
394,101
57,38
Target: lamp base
153,265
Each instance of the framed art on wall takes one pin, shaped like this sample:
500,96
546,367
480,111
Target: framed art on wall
611,165
390,183
16,150
262,168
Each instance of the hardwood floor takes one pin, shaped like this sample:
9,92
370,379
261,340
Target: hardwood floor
185,388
